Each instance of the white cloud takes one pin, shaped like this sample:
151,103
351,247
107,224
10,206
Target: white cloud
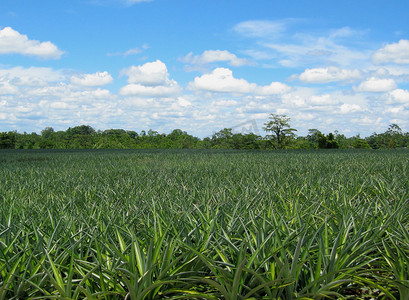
102,93
377,85
6,88
347,108
275,42
344,32
306,116
293,100
149,80
12,42
396,53
60,105
132,51
262,28
398,96
32,76
182,102
133,89
306,49
367,120
95,79
325,99
224,103
330,74
210,56
149,74
273,88
222,80
395,110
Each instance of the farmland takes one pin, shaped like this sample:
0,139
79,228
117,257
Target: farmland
204,224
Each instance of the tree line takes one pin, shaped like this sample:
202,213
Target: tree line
280,135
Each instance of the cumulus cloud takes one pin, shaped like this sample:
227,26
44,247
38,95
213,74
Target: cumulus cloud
330,74
393,53
150,74
150,79
210,56
398,96
95,79
222,80
347,108
374,84
12,42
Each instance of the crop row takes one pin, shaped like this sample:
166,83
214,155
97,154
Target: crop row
204,225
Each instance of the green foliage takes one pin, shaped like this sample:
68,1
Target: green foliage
392,138
327,142
282,133
226,139
204,224
282,137
8,140
360,144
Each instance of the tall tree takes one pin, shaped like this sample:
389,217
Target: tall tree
281,130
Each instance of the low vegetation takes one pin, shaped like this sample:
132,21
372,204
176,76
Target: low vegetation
204,224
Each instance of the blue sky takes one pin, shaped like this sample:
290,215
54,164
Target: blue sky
204,65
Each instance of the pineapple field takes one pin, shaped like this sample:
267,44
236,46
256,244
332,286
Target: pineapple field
204,224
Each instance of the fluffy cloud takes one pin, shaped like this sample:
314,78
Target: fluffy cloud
210,56
95,79
150,74
273,88
396,53
11,42
347,108
377,85
398,96
150,79
330,74
222,80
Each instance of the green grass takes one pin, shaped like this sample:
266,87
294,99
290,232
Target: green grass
203,224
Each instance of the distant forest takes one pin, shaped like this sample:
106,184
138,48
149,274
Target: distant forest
282,137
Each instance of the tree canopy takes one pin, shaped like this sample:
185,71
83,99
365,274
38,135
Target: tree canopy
280,135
